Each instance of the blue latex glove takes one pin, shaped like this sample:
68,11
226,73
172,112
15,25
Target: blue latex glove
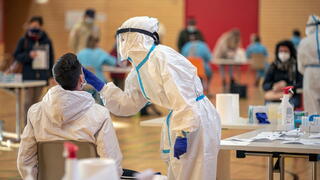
262,118
180,147
92,79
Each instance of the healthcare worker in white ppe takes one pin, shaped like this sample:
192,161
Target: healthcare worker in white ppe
309,65
160,75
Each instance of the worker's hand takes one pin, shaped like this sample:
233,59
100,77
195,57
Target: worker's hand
180,147
92,79
33,54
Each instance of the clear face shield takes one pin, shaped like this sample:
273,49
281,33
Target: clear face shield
121,55
123,41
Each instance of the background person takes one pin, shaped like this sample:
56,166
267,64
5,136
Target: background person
283,72
296,38
197,48
95,57
185,33
309,65
226,48
33,47
257,48
81,31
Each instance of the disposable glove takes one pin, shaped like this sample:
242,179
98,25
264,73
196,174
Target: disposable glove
180,147
92,79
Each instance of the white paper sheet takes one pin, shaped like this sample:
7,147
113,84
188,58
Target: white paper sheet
41,60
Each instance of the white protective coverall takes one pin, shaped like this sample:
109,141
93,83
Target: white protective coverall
67,115
309,65
168,79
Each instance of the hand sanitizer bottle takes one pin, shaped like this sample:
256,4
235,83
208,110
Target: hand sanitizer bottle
71,163
287,110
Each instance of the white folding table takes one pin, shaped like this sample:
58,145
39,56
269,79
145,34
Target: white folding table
273,149
19,89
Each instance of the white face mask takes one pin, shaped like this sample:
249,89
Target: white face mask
284,56
191,28
89,20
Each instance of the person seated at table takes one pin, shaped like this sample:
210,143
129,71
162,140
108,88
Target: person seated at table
226,48
257,48
283,72
95,57
67,112
198,48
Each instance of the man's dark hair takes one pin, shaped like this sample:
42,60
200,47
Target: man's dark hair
296,32
37,19
67,71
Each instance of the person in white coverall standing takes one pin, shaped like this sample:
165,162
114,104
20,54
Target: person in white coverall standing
160,75
309,65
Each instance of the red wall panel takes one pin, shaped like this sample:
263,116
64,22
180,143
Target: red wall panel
215,17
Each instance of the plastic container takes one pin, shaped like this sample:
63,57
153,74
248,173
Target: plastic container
298,118
287,110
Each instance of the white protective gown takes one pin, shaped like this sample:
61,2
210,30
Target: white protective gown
169,80
309,66
67,115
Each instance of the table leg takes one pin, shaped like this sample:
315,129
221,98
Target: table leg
282,169
314,170
18,112
270,167
223,166
23,108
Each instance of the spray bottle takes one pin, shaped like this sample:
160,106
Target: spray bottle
286,109
71,162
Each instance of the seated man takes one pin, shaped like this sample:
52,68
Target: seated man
67,113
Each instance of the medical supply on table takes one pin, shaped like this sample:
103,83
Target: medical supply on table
228,107
258,115
97,169
71,162
149,175
8,78
298,118
311,124
286,109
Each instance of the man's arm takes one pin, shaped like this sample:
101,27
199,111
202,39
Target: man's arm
107,143
27,155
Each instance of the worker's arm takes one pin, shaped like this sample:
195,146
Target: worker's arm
27,155
107,142
127,102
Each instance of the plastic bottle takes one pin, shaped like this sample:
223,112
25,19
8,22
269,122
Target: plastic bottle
286,109
71,163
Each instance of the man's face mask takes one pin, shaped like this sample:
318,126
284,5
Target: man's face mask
89,20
